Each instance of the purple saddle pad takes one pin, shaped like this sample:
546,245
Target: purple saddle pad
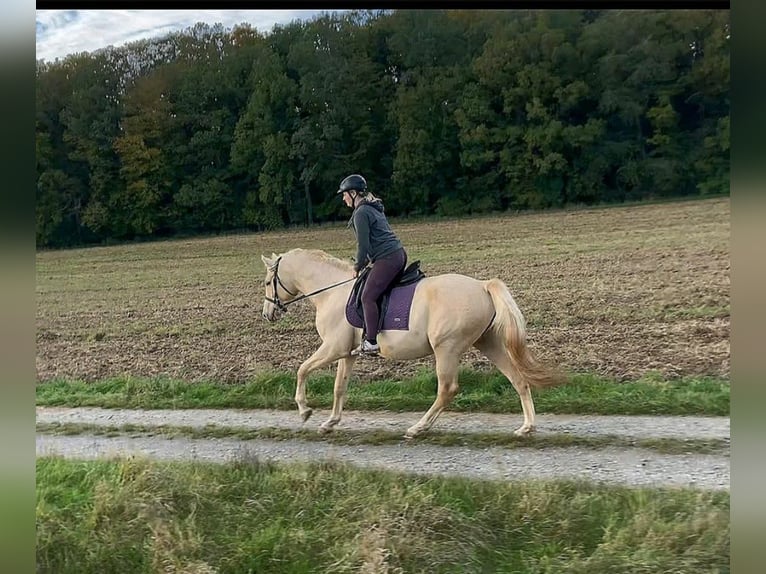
397,316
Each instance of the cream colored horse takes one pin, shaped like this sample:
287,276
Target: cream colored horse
450,313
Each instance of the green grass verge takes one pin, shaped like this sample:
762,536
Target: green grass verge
136,516
379,437
480,392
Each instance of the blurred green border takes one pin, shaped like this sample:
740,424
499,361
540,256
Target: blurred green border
747,275
17,311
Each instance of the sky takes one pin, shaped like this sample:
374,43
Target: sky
63,32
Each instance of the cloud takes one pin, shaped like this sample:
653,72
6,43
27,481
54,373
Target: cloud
63,32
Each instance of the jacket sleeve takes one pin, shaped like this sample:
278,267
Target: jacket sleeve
362,228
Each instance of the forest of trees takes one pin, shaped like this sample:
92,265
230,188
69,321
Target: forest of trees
444,112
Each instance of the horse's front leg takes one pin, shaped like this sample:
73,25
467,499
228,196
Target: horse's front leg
323,356
345,366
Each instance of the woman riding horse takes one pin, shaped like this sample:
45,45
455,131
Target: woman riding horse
376,244
449,314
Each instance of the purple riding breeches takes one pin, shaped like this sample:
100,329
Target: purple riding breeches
382,274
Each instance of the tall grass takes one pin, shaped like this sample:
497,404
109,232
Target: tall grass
480,392
134,516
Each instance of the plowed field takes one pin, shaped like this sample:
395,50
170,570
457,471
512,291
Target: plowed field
621,292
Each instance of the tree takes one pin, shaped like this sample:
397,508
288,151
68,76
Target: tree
141,207
90,120
427,61
56,190
260,150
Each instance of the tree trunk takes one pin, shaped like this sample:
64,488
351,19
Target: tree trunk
309,216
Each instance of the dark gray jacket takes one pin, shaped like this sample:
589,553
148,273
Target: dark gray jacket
374,236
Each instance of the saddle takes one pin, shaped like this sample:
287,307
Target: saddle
409,275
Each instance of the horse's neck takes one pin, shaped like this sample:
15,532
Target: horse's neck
312,274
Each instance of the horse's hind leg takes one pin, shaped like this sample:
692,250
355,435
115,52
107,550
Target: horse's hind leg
493,347
447,363
345,366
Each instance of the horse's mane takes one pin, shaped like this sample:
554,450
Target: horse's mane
326,257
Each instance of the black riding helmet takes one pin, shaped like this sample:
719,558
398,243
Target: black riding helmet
353,182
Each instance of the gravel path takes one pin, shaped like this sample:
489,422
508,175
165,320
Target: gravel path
627,466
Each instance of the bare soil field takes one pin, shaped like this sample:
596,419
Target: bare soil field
620,292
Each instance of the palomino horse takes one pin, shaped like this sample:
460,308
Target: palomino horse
449,314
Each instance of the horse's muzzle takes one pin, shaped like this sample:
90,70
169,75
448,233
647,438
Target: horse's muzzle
274,315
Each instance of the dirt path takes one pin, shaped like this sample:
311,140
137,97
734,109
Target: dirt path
629,466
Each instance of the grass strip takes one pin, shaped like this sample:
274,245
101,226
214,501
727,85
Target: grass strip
137,516
379,437
480,392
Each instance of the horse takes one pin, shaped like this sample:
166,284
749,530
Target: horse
449,314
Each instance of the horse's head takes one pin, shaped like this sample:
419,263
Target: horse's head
278,294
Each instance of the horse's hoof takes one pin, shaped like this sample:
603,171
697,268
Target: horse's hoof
410,434
523,431
324,430
306,414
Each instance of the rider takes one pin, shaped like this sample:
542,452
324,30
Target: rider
376,244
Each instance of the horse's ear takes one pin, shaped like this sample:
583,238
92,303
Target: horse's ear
274,256
266,261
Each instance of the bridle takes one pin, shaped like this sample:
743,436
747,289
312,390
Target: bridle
276,281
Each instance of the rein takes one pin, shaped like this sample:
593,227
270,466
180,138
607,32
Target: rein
282,306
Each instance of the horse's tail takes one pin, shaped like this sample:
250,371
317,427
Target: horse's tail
509,323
